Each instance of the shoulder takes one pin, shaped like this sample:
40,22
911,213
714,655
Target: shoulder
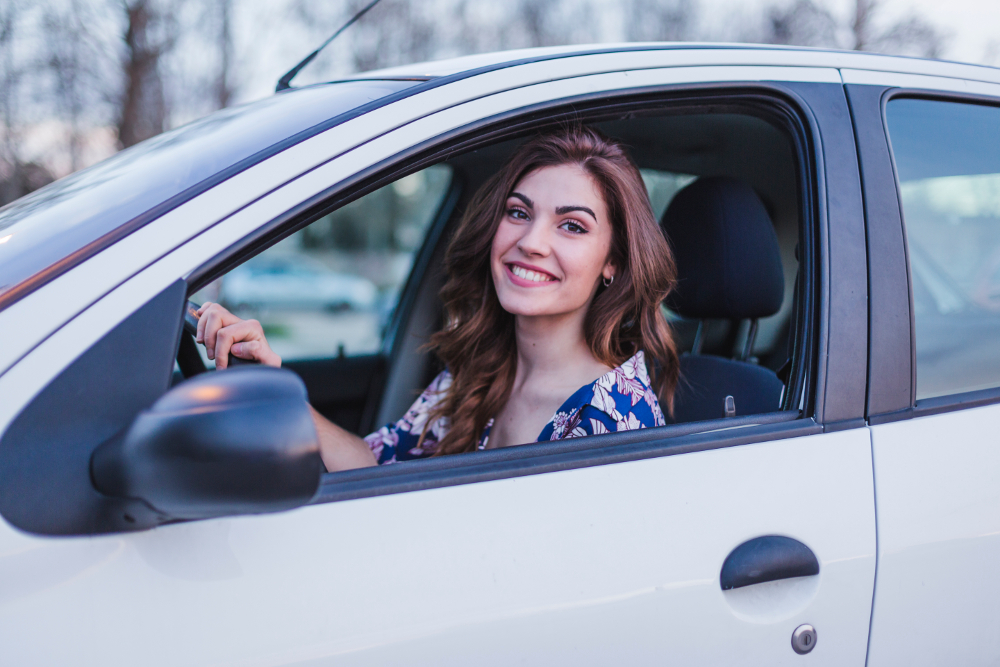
411,436
624,394
619,400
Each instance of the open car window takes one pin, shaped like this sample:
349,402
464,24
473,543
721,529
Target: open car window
329,289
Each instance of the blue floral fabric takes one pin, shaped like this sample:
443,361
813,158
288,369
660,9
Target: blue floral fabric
619,400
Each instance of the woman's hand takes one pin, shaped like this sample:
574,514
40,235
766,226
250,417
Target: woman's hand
222,332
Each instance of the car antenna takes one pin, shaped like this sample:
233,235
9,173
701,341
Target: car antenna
285,81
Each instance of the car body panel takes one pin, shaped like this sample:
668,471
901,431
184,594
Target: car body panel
926,81
938,498
706,53
590,566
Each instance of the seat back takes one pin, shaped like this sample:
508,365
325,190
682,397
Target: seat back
728,267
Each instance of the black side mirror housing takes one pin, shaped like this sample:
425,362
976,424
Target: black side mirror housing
240,441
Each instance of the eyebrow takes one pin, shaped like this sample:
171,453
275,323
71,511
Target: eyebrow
527,202
562,210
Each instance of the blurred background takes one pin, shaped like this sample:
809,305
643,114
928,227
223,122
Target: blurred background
83,79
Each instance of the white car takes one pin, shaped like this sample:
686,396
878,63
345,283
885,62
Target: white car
829,491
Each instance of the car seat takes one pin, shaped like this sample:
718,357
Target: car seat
728,267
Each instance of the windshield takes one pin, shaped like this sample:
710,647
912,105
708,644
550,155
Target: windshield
61,222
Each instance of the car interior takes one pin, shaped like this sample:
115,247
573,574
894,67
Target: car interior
724,178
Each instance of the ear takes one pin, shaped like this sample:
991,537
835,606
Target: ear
609,271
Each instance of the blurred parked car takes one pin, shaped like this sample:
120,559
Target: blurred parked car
294,282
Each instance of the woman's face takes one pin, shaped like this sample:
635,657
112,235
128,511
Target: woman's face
551,249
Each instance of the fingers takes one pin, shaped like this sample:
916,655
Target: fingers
211,318
245,339
200,335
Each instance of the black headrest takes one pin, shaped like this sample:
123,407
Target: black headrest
728,262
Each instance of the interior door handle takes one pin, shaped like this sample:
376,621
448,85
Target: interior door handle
767,558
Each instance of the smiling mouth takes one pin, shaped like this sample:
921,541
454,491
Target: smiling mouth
527,274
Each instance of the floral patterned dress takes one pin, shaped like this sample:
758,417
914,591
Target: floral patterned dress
620,400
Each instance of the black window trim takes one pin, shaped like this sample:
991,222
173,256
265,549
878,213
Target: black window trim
782,102
900,401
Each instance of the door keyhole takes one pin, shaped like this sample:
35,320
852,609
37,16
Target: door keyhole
804,639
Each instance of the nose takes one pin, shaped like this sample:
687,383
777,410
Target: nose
535,240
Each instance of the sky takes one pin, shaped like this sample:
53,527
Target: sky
972,25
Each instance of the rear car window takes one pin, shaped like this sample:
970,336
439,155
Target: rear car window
947,157
50,225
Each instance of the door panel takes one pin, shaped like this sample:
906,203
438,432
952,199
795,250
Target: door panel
610,564
938,595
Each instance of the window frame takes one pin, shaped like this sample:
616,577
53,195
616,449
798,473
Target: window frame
810,386
893,369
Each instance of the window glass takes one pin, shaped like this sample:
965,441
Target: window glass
329,289
662,186
948,162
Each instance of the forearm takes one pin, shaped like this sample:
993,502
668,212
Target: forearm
340,449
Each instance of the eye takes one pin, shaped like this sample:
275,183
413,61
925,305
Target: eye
517,213
573,227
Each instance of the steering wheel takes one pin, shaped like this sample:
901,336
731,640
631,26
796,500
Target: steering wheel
188,357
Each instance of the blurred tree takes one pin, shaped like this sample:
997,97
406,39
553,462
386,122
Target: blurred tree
224,84
809,23
911,35
803,23
150,33
659,20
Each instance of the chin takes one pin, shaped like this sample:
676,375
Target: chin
525,307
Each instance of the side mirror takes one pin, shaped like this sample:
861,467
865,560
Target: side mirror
239,441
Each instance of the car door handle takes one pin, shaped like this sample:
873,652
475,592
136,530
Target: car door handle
767,558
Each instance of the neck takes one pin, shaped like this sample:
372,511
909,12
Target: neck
549,345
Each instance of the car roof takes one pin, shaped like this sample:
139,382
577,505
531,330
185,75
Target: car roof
739,54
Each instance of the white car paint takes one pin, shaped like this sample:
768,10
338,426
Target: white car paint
696,53
612,564
938,500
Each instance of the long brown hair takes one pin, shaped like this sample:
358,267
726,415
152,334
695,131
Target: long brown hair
477,343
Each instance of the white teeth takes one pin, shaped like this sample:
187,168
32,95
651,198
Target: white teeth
525,274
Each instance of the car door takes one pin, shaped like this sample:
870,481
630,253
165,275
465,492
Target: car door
932,182
594,551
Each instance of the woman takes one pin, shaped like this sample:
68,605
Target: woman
555,276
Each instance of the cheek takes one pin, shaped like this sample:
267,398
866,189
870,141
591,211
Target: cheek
504,238
585,261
